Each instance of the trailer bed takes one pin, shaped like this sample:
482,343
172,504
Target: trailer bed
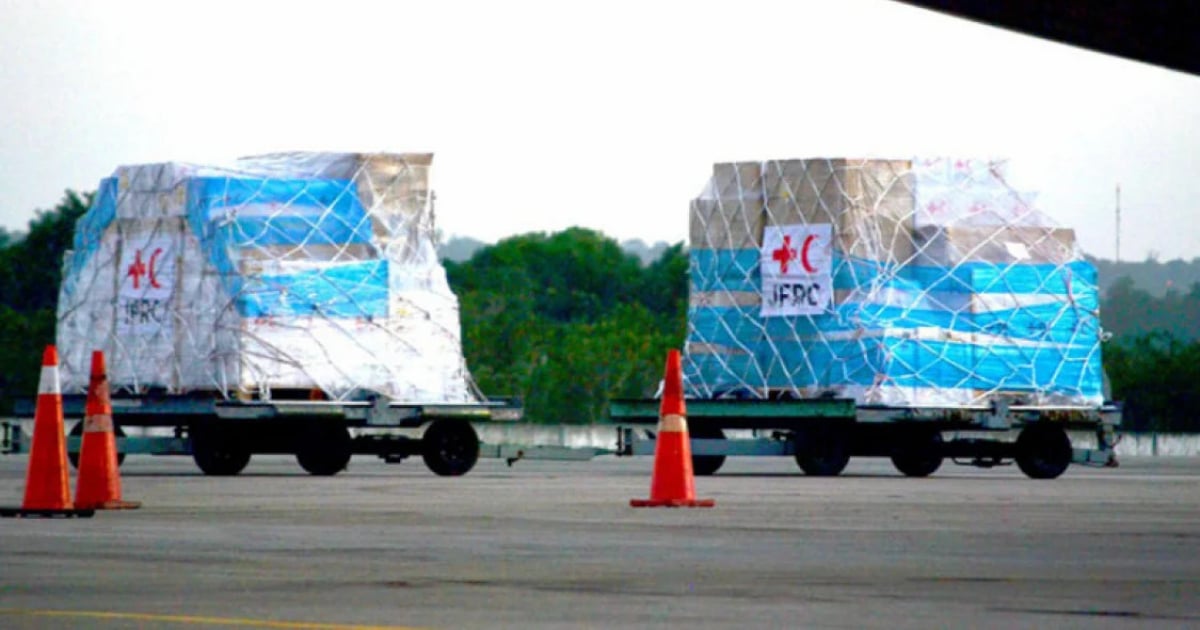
824,433
222,434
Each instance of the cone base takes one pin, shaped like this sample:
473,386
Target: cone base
8,512
690,503
118,505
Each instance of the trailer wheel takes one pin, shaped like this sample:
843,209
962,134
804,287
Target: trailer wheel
218,453
920,455
704,465
1043,451
823,453
450,448
324,449
77,431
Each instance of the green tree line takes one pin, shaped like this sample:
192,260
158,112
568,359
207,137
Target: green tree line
30,274
1153,358
570,320
1151,275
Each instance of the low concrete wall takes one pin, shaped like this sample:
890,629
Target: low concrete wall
1152,444
1165,444
605,436
574,436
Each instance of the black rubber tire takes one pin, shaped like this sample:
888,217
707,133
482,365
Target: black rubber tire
218,452
920,455
324,450
77,431
823,453
450,448
1043,451
704,465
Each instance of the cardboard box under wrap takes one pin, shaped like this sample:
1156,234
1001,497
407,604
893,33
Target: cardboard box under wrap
731,211
284,272
727,223
869,203
946,246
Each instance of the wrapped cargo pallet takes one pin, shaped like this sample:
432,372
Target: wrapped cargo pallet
927,282
295,272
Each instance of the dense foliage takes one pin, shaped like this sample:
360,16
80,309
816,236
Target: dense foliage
1157,378
1129,311
569,320
30,272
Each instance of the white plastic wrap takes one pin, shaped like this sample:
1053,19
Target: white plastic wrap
289,272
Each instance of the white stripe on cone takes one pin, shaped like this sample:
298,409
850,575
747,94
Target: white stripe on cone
48,383
99,423
672,423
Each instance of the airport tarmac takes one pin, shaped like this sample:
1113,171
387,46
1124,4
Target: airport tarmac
555,544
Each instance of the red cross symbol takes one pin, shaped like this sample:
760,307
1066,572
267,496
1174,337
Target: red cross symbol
137,269
784,254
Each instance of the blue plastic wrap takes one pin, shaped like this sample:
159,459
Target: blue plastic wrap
318,212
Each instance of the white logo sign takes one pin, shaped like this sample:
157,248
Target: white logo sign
797,269
147,284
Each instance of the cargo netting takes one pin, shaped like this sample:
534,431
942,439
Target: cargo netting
912,283
307,273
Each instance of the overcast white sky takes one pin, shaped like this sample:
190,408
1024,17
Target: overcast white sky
607,114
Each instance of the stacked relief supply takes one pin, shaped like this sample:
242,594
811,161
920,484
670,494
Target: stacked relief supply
285,274
926,282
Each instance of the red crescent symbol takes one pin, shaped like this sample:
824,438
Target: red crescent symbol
154,277
803,254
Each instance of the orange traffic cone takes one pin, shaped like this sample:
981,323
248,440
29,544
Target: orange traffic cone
47,491
672,483
99,483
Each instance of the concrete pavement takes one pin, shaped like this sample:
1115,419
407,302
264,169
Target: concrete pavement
546,544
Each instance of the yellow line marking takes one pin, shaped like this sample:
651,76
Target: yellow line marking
197,620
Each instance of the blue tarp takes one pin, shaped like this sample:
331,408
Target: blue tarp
234,215
1043,337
